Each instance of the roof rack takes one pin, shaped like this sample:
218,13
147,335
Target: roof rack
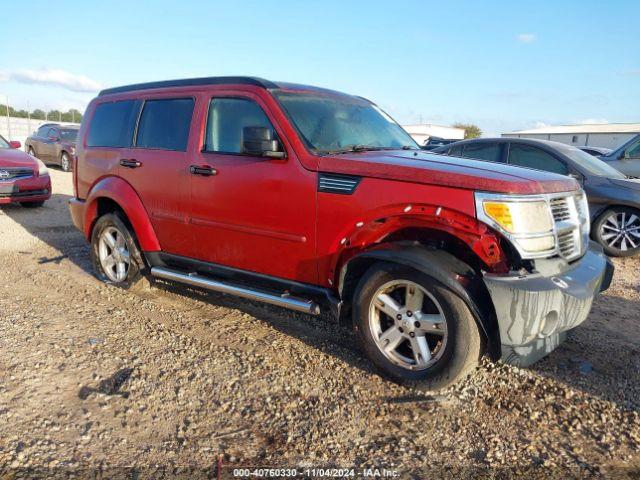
188,82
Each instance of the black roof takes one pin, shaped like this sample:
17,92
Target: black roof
188,82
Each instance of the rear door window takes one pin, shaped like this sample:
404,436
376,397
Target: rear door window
113,123
164,124
491,152
534,157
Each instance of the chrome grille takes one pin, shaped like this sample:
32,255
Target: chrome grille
13,173
560,209
571,224
567,244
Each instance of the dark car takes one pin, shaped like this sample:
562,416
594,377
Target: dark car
595,151
435,142
53,144
626,157
614,200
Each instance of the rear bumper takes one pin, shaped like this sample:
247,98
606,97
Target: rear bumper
32,189
535,311
77,210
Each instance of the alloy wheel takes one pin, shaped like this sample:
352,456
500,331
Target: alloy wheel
408,324
621,230
114,254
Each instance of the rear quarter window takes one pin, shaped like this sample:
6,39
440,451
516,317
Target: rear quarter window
164,124
113,123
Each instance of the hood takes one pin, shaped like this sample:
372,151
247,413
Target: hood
633,184
422,167
12,157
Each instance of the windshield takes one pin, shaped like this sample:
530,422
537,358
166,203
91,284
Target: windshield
69,135
4,143
591,164
336,123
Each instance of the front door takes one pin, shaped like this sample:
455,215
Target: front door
629,163
252,213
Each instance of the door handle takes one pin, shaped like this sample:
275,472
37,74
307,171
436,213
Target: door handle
132,163
205,171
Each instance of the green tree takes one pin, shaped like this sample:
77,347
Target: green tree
54,115
38,114
470,130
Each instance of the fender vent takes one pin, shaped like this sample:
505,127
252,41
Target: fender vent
340,184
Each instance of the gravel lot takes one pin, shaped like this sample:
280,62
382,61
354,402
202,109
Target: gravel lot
168,379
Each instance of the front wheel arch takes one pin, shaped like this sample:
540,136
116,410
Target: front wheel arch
438,264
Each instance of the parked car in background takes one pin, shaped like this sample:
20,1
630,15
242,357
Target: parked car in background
595,151
314,200
435,142
53,144
626,157
23,178
614,200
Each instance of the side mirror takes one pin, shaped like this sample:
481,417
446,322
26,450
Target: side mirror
261,142
578,177
15,144
54,139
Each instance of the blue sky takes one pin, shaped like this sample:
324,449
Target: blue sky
503,65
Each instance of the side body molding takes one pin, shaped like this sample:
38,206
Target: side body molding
119,191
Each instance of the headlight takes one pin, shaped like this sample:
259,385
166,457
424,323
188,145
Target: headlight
526,221
42,168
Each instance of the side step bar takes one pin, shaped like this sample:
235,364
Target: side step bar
195,280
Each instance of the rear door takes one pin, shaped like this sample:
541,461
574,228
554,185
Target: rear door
158,169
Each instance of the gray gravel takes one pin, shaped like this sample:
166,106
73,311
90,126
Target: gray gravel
168,379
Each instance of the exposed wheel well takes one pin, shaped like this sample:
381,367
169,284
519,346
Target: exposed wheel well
478,297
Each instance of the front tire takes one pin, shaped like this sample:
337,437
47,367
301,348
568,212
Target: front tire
618,231
114,252
65,162
414,329
32,152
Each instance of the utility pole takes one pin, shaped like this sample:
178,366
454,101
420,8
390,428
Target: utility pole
28,118
8,119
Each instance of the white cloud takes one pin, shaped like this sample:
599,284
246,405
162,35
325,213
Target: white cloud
526,37
592,121
54,77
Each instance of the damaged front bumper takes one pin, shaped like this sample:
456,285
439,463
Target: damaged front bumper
535,311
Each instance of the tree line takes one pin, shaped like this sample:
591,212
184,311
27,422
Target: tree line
71,115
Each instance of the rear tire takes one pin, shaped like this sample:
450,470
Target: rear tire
32,152
32,204
115,254
618,230
65,162
392,296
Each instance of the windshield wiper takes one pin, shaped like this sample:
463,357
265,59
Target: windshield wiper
356,148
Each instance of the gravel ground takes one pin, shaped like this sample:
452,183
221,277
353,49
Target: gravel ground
95,380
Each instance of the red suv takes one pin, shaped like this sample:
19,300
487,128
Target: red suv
311,199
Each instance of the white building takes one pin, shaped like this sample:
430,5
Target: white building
607,135
422,133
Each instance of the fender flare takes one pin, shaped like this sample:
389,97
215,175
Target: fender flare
126,197
446,269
